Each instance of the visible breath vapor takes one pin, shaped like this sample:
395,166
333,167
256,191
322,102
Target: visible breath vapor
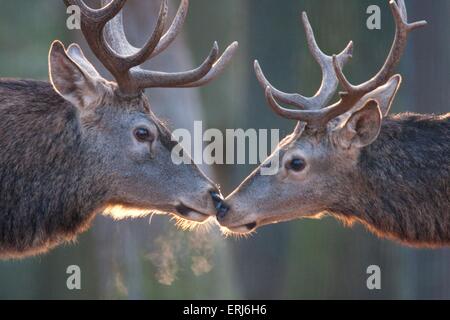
176,251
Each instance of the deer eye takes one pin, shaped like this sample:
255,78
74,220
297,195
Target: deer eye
296,164
143,135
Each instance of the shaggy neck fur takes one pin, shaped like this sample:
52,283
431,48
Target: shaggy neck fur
47,190
403,182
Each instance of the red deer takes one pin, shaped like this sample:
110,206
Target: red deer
82,145
351,159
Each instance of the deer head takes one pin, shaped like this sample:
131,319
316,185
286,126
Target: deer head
322,153
119,129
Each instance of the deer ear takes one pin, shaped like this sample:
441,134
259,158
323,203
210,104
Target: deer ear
362,128
73,77
76,54
383,95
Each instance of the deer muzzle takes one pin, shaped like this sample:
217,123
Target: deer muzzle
200,207
228,219
220,205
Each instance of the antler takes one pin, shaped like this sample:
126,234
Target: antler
315,113
104,32
329,79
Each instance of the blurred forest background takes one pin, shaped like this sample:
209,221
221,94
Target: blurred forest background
151,258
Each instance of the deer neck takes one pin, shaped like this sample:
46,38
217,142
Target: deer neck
84,187
51,195
401,189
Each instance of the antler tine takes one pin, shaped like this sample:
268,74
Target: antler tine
104,32
293,99
174,29
210,69
403,11
315,118
131,56
329,80
403,28
305,115
217,68
151,79
353,93
98,16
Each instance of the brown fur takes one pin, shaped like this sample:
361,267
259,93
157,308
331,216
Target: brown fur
401,189
61,164
50,186
398,186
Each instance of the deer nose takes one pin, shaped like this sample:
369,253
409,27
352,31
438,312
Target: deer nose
221,207
217,199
